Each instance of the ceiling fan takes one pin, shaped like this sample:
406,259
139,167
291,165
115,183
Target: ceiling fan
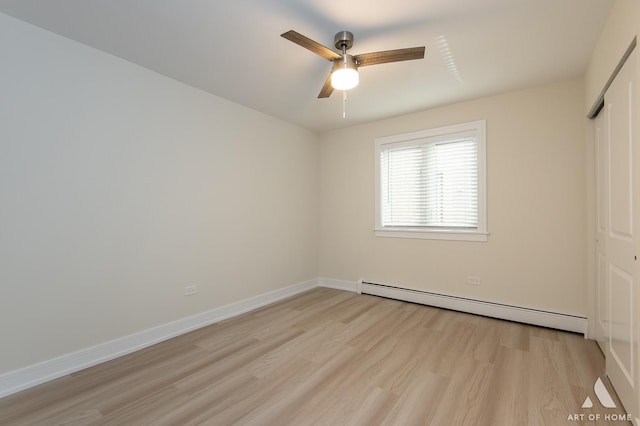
344,71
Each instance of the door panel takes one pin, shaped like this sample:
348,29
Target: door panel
621,337
620,172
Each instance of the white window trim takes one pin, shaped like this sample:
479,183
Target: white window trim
478,234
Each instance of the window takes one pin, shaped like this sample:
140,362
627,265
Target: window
431,184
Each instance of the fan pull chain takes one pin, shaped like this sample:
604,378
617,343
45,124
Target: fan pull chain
344,104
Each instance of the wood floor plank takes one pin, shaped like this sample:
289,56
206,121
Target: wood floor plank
328,357
452,344
238,359
259,396
337,342
420,403
516,336
214,397
483,344
383,326
376,404
509,386
466,394
304,345
300,396
148,408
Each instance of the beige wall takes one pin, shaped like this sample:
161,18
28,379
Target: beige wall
536,253
120,186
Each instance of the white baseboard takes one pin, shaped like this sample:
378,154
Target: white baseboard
17,380
512,313
338,284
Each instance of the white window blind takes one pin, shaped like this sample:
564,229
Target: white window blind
432,181
431,184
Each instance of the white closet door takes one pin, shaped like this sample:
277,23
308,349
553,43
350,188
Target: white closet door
618,238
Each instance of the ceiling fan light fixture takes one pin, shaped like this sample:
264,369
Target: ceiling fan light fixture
344,71
344,75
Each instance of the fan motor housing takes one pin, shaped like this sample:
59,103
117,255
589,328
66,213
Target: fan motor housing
343,39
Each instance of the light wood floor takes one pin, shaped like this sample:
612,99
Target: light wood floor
335,358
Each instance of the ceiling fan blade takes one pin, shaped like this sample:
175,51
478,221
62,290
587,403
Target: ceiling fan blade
386,56
327,89
311,45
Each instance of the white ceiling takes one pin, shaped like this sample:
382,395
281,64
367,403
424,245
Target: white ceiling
233,49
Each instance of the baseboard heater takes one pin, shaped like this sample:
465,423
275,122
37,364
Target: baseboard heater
555,320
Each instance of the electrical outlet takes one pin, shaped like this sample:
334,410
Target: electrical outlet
190,290
473,280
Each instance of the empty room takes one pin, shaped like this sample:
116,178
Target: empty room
297,212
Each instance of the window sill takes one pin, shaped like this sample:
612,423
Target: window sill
441,234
